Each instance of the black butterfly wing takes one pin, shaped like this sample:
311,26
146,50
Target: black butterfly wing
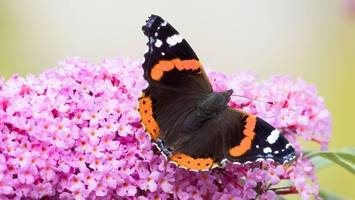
234,136
256,140
167,46
207,146
177,81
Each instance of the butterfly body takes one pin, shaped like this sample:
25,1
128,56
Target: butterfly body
191,124
209,107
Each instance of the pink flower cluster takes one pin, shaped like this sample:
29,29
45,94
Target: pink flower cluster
74,132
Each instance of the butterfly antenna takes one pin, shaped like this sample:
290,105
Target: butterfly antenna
253,99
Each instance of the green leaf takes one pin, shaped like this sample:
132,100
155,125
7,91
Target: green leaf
320,162
343,157
329,196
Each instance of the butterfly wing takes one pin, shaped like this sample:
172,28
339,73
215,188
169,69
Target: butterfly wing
255,139
234,136
170,60
176,81
207,146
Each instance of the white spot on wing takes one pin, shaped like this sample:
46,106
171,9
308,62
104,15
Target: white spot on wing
288,145
178,38
164,23
267,150
237,163
257,146
158,43
276,152
174,39
146,40
274,135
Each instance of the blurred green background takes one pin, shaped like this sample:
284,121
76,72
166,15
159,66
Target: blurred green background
313,40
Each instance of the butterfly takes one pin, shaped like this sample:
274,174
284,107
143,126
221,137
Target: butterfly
191,124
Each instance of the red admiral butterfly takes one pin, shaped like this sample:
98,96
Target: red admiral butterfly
190,123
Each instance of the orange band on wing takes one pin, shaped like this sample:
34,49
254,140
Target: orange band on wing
146,112
246,142
158,69
189,162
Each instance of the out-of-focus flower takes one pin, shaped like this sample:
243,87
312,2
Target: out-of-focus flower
74,132
350,6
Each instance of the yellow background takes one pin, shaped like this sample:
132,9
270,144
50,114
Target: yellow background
313,40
